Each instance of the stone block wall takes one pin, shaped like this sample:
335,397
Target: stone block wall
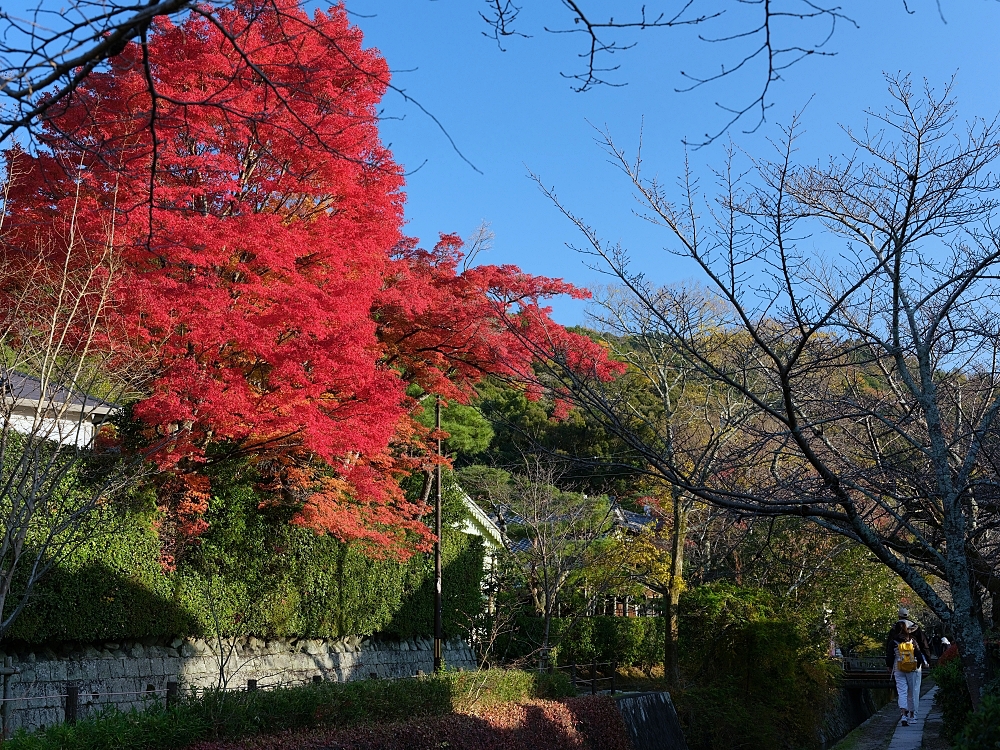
127,675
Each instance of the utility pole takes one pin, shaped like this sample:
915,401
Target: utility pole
438,623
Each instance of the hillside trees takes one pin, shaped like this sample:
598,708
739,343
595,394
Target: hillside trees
264,272
691,421
867,366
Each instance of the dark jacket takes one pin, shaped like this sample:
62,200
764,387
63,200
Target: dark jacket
920,651
922,642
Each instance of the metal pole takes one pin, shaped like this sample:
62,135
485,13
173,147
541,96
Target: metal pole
171,693
72,701
438,624
8,672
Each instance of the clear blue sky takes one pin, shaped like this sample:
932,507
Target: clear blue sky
511,112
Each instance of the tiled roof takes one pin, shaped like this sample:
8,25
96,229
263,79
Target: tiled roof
22,387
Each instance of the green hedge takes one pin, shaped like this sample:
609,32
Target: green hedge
982,729
753,673
632,641
253,573
953,696
218,715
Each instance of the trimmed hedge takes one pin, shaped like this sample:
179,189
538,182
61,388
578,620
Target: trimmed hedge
253,573
757,675
633,641
220,715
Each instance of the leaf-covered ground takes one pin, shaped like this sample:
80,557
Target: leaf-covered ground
553,725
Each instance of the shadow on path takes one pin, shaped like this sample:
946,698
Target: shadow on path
878,732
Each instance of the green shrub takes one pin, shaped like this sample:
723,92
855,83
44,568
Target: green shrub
554,685
632,641
953,696
755,675
982,728
492,686
508,686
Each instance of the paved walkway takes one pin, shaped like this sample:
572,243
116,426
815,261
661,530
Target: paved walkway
883,731
912,737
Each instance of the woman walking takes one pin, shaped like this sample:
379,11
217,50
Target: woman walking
905,660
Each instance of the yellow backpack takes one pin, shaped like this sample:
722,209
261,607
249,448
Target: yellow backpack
907,657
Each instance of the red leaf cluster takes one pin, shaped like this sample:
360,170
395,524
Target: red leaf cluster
255,219
444,328
184,499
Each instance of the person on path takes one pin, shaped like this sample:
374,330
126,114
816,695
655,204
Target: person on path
950,652
905,660
918,633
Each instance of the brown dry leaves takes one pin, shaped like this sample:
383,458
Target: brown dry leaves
576,723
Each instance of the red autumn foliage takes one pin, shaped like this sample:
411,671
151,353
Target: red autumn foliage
573,724
445,328
263,268
184,500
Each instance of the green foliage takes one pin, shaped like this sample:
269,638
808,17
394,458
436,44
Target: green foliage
524,426
553,685
821,582
632,641
863,594
507,686
469,433
758,676
982,729
461,595
979,730
221,715
953,696
252,574
111,583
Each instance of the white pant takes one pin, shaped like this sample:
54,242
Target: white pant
908,687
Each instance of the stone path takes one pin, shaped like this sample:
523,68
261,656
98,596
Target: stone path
883,731
912,736
932,731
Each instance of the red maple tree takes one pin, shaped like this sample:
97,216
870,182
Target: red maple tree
262,264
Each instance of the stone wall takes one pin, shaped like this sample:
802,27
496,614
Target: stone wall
651,721
127,675
850,708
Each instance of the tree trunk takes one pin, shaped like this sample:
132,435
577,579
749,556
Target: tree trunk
543,662
971,645
672,596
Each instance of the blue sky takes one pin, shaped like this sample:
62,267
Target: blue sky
511,112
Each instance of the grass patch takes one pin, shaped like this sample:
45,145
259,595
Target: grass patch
219,715
493,686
